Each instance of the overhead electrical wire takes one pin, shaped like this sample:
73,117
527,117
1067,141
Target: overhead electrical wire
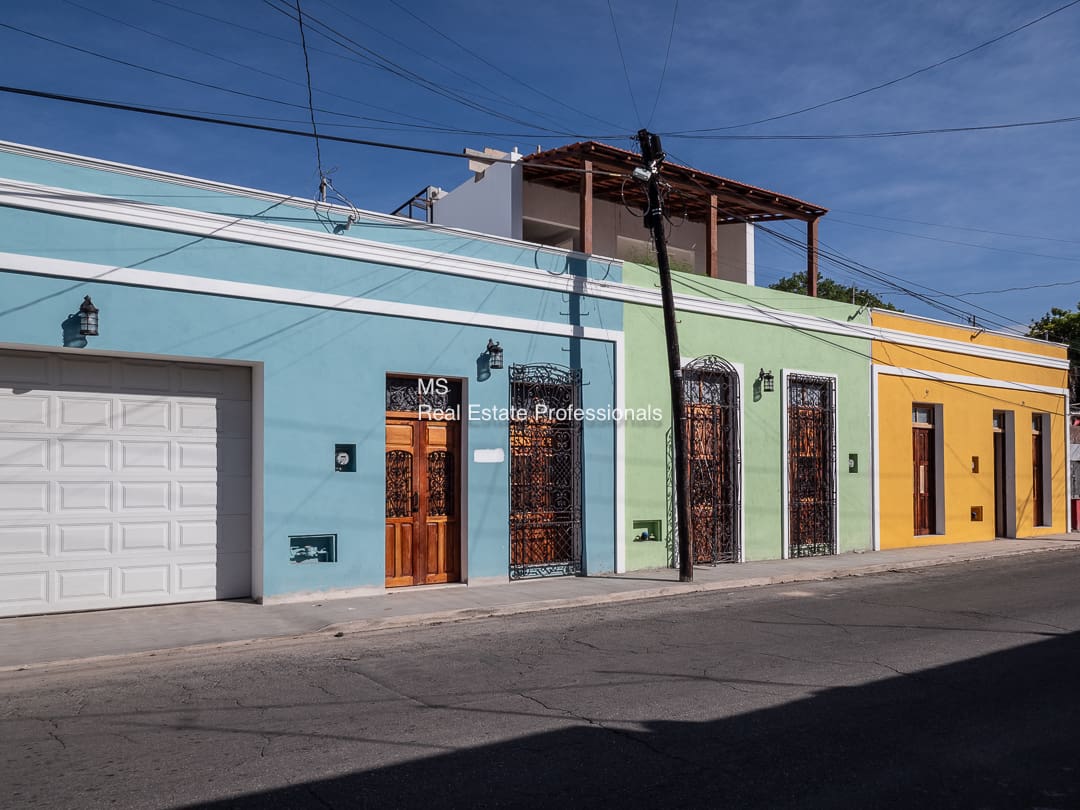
388,65
498,69
663,71
491,94
294,132
311,100
955,242
898,133
622,58
890,82
243,65
950,227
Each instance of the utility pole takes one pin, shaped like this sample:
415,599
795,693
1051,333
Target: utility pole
652,158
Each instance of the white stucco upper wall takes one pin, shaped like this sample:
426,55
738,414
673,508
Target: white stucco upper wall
487,203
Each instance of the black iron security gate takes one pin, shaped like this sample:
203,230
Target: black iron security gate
811,466
711,393
545,471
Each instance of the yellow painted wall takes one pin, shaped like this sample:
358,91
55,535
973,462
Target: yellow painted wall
967,431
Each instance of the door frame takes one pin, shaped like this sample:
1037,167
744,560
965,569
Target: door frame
785,488
1008,484
461,481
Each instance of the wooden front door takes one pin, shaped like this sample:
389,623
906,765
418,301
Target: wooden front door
423,528
1001,522
922,453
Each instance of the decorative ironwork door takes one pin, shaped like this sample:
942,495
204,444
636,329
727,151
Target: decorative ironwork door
423,540
811,466
711,395
545,471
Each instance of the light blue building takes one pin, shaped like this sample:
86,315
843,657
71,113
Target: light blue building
278,403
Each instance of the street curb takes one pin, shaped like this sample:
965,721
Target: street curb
590,600
675,589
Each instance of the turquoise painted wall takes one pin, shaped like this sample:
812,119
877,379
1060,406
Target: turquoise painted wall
296,212
324,369
773,346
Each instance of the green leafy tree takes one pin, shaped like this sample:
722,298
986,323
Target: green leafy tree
831,290
1063,326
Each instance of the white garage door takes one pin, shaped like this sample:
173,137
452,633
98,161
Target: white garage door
122,482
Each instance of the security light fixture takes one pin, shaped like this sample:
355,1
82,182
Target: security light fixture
88,317
768,382
495,354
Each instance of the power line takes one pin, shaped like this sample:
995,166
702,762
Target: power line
384,63
243,65
622,57
311,101
899,133
204,119
890,82
955,227
667,56
498,69
497,95
954,241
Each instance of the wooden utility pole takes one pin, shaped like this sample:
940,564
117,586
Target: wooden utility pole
652,158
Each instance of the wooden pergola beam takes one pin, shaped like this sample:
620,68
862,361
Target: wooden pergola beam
811,258
585,222
712,262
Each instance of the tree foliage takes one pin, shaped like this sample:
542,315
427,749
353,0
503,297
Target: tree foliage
833,291
1063,326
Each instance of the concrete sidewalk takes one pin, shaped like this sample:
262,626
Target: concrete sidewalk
34,641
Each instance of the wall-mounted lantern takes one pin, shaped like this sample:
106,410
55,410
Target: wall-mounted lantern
88,317
768,382
495,354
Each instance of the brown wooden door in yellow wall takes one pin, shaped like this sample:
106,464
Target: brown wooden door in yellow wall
423,527
923,485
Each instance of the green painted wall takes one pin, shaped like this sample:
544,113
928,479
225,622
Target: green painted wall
773,346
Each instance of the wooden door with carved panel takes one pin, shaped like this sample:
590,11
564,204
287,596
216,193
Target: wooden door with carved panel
423,527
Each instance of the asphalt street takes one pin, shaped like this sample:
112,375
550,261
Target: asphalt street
955,686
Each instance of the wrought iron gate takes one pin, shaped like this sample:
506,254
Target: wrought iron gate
545,471
811,466
711,394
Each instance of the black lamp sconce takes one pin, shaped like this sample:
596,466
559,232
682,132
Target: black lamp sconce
88,317
768,382
495,354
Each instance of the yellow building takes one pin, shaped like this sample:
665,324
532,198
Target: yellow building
971,439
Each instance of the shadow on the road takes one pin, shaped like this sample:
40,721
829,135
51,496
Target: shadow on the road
998,731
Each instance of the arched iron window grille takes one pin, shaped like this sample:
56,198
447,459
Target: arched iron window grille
714,458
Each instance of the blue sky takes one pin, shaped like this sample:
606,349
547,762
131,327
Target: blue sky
898,205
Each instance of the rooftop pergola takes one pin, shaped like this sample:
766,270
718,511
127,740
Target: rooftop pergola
598,171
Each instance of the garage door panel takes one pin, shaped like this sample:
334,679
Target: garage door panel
143,580
142,415
122,482
21,455
22,497
86,372
24,591
141,537
83,583
21,542
142,496
143,455
85,454
77,414
155,377
25,367
23,412
84,496
199,455
90,538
